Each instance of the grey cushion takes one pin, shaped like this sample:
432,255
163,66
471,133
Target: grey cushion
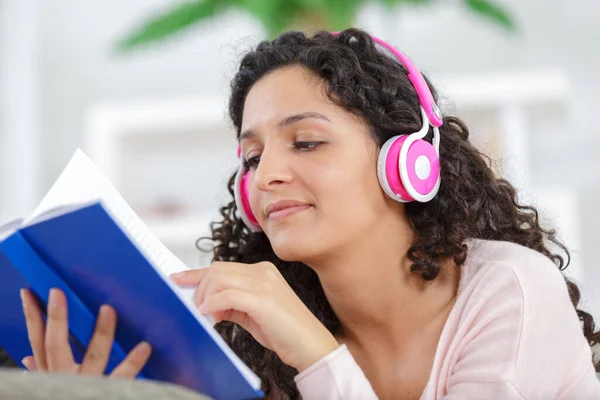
18,385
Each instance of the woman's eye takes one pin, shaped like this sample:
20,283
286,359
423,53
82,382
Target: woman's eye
251,162
306,146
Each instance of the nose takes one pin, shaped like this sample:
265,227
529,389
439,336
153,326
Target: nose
271,171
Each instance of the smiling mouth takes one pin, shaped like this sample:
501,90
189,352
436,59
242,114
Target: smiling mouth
286,212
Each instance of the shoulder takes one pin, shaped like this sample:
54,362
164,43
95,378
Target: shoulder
516,300
515,266
510,277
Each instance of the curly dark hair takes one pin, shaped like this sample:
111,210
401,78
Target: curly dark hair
471,203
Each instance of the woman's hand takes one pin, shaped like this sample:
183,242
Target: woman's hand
258,298
50,343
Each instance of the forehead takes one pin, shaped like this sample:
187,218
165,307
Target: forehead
283,92
294,90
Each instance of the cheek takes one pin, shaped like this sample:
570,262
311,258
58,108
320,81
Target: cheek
254,199
350,193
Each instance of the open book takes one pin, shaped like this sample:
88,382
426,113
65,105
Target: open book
86,240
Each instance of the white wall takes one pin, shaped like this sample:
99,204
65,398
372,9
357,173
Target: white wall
19,107
76,71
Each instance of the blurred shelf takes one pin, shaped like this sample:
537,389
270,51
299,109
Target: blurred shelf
179,231
166,115
109,125
534,86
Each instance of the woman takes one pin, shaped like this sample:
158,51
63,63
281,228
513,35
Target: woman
358,267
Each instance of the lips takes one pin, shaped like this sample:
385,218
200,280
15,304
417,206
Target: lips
285,207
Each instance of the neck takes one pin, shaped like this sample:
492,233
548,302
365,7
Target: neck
373,293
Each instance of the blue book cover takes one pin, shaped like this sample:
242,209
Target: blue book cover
22,268
86,253
84,239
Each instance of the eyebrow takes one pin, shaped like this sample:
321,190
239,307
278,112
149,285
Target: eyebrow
292,119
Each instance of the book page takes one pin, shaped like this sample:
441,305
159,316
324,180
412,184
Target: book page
9,228
82,182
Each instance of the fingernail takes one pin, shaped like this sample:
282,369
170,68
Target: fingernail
23,297
103,314
52,300
24,362
177,275
143,348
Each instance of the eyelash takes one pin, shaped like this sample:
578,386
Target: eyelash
300,146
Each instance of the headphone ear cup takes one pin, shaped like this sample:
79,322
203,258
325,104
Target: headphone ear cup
419,169
414,178
388,171
242,200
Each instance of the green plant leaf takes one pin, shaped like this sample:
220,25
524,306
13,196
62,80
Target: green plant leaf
313,4
277,15
492,11
341,13
390,3
274,15
161,26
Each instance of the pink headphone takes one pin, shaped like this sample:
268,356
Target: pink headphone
408,167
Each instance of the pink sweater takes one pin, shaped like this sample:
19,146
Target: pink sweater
512,334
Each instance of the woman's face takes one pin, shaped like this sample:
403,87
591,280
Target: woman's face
313,185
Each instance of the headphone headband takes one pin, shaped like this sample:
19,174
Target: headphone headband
416,78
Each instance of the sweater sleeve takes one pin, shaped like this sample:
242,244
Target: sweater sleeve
336,376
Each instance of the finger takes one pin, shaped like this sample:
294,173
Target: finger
222,279
199,295
216,269
190,277
58,350
134,362
35,328
232,299
239,317
98,352
29,363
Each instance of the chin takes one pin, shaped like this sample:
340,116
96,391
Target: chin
288,247
289,250
297,237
